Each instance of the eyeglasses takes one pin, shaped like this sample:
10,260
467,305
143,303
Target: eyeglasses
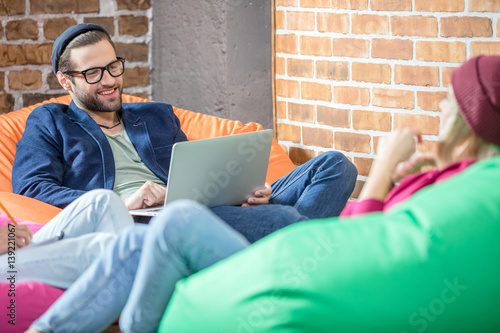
95,74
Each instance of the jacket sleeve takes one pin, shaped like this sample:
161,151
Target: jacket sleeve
38,168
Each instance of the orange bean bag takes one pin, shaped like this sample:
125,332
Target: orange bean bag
195,125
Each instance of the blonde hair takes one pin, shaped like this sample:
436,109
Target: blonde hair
458,141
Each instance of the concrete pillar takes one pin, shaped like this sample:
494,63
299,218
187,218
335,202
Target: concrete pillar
214,57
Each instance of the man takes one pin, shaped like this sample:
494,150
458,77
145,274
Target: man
96,142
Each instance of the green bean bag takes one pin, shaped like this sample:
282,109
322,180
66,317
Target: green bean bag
431,264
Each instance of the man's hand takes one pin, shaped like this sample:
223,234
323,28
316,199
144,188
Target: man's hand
261,197
23,237
148,195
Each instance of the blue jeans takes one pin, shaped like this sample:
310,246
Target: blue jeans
317,189
136,276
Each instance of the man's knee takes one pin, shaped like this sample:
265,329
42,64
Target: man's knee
337,160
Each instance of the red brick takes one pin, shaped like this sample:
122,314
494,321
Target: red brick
316,91
446,75
420,26
351,95
428,125
480,47
369,72
133,52
317,46
393,98
136,77
332,116
2,81
350,4
351,47
279,19
8,8
303,21
318,137
439,5
21,29
363,165
370,24
484,6
429,100
33,54
498,28
25,80
300,155
333,22
287,88
416,75
287,44
108,23
391,5
315,3
371,120
53,28
332,70
440,51
280,65
301,112
288,132
6,102
300,68
281,109
287,3
133,4
352,142
63,6
133,25
466,27
392,48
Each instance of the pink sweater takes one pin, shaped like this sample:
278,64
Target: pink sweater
404,190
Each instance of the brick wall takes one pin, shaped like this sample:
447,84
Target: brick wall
29,27
351,71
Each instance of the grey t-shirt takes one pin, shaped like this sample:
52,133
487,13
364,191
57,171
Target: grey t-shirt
130,171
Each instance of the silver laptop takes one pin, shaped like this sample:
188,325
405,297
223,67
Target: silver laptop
220,171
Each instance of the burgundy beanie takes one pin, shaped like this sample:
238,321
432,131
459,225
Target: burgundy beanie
476,85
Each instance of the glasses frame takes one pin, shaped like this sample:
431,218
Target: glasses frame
84,72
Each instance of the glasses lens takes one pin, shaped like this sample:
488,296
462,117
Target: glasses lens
116,68
93,75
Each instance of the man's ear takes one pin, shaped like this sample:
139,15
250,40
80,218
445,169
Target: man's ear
64,82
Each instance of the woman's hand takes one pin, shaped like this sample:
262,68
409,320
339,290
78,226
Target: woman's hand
392,150
23,236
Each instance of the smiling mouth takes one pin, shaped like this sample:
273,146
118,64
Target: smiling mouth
107,92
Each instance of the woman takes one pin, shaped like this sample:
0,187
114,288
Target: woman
470,117
137,275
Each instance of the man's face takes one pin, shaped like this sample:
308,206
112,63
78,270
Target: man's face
105,95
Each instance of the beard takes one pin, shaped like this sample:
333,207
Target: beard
92,102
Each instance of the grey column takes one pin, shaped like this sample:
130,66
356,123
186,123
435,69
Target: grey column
214,57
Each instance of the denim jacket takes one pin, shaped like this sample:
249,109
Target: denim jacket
63,153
